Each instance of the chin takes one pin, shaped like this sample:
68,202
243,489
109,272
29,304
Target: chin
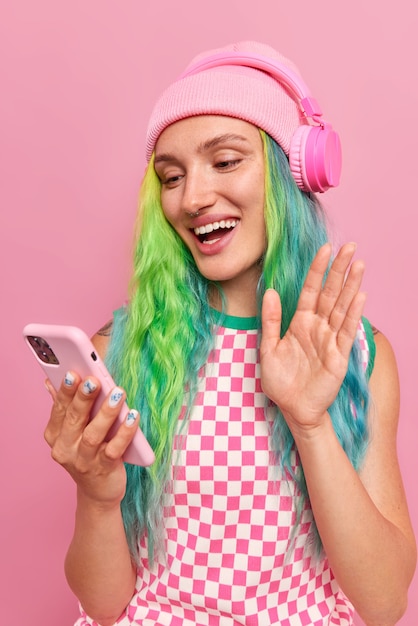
216,274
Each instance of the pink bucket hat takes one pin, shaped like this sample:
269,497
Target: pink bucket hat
253,82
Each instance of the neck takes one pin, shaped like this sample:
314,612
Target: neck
240,297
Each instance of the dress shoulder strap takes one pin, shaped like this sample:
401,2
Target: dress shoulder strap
367,345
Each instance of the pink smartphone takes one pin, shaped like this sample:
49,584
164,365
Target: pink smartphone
59,349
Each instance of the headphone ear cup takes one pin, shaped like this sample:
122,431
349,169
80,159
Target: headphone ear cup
315,158
296,156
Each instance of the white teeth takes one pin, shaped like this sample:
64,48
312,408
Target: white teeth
204,230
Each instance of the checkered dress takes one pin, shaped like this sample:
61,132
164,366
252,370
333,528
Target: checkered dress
231,559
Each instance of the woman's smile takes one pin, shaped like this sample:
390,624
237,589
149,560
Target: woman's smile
214,231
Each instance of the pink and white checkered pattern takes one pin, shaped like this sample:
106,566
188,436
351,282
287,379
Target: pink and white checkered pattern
230,559
364,346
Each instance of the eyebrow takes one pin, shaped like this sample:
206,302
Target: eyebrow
205,145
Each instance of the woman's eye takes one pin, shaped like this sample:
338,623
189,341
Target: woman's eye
224,165
171,180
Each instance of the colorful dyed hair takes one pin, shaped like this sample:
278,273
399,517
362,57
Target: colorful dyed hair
296,228
165,335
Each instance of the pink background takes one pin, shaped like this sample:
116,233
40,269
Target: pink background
78,80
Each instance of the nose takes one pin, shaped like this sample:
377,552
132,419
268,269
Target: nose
198,191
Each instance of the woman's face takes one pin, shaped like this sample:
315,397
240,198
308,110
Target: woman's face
215,165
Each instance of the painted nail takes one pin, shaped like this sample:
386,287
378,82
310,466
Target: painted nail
131,417
89,386
69,379
115,397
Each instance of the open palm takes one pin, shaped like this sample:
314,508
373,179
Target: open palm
303,372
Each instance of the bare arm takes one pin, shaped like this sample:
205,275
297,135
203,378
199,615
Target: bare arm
362,519
98,565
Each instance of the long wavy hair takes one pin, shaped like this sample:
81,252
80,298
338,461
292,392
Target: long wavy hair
164,336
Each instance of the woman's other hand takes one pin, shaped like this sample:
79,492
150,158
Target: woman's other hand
302,372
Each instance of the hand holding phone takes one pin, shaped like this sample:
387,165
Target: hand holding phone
59,349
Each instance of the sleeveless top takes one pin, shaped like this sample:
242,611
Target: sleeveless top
231,558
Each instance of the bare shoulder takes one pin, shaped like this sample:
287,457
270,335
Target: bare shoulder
383,345
101,339
384,382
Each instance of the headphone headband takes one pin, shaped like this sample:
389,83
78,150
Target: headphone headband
308,105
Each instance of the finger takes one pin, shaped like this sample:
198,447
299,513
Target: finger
77,412
95,433
271,319
117,445
335,280
61,400
348,293
348,330
309,295
50,389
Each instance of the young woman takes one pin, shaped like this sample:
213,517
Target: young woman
271,405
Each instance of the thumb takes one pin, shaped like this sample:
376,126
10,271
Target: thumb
271,319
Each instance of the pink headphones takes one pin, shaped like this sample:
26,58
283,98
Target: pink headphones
315,149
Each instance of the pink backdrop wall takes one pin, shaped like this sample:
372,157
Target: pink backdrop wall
77,83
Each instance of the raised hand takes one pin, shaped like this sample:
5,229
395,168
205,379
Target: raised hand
302,372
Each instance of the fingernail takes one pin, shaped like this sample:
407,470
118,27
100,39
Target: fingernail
115,397
69,379
131,417
89,386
